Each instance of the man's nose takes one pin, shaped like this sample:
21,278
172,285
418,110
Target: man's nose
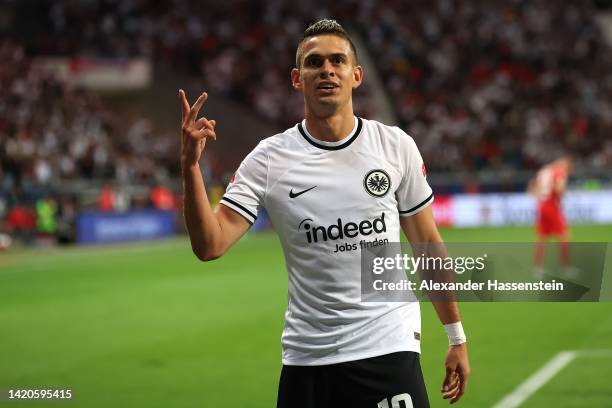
327,69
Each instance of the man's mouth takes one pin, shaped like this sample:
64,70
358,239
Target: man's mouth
327,85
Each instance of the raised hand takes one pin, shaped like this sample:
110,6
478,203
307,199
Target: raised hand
194,132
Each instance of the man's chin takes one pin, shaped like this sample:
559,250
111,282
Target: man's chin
325,107
328,101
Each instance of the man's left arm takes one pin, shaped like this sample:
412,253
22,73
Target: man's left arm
421,228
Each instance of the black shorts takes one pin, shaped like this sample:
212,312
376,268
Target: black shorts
389,381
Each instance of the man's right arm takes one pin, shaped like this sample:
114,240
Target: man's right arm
211,232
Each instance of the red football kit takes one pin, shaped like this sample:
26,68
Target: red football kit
550,219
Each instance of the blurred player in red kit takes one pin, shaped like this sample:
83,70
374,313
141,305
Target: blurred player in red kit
548,187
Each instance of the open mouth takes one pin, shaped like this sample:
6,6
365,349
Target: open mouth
327,86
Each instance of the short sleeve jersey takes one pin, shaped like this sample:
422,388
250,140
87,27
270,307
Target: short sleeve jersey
327,200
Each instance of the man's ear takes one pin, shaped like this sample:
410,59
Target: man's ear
357,76
296,81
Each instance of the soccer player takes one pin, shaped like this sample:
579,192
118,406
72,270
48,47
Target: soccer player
548,187
328,183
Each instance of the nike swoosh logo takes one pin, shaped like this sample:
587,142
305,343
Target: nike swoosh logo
293,195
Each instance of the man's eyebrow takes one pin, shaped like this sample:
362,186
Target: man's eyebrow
335,54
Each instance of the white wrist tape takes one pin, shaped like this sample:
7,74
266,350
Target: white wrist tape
455,333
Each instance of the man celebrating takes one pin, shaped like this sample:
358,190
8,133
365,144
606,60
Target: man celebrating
329,183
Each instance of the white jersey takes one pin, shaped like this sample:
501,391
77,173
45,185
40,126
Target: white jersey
327,200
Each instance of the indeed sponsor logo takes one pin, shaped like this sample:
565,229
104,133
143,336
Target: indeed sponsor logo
340,230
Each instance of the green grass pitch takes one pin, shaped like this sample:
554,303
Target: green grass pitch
147,325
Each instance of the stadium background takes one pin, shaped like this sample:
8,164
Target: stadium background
88,152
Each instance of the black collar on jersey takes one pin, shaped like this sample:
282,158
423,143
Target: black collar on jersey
326,147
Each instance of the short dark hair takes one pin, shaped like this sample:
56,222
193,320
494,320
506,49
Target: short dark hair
323,27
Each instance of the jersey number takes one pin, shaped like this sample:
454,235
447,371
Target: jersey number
395,402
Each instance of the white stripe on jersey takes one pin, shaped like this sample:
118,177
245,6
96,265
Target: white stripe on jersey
325,199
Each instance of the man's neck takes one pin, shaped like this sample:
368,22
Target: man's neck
331,128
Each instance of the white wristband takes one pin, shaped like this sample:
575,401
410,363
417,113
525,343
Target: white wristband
455,333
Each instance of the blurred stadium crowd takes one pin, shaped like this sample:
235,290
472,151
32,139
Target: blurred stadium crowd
50,129
480,85
496,84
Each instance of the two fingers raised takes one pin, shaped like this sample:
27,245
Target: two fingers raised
196,128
